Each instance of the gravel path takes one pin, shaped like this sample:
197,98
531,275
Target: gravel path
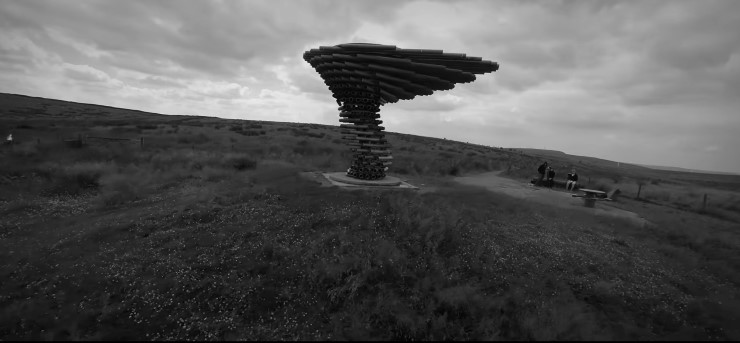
551,197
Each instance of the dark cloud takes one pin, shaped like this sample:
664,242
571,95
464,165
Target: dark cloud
676,46
213,37
651,73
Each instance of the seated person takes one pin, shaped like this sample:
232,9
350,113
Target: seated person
572,180
550,177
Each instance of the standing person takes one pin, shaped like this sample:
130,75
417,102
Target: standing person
572,180
550,177
542,169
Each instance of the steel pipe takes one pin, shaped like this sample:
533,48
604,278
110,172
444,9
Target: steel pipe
362,77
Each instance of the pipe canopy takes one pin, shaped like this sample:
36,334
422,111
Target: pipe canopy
394,73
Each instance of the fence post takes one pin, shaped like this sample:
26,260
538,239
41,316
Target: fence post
704,203
639,188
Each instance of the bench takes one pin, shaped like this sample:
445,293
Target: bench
555,183
590,196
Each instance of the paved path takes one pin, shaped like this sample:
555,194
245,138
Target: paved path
493,182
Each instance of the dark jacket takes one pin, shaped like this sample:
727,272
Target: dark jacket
542,168
551,174
572,177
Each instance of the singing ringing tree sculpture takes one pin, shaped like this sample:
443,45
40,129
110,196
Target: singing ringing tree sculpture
363,76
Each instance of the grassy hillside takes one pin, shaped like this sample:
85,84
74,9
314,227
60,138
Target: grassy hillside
696,171
207,231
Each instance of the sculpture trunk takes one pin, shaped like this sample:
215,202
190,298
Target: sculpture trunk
371,153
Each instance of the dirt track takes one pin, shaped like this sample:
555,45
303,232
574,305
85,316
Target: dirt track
493,182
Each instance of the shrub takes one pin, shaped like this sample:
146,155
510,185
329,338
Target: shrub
304,132
78,177
401,170
304,148
658,195
733,206
194,139
214,174
25,150
454,170
419,168
242,163
251,133
125,186
122,130
325,150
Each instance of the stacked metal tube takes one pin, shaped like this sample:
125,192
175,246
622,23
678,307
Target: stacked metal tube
362,77
362,130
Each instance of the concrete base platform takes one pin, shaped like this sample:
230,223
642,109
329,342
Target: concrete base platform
340,179
343,178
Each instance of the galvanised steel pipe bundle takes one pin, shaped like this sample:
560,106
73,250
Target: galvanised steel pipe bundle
363,76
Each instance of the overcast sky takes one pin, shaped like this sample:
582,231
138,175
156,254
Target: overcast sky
652,82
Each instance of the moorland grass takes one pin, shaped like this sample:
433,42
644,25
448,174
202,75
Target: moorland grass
224,240
290,260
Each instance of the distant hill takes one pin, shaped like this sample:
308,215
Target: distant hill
686,170
602,162
18,111
576,159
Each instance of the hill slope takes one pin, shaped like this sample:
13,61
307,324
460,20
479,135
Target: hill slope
686,170
208,231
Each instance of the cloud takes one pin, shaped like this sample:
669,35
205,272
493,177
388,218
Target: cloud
657,77
437,103
222,90
160,81
212,37
85,73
